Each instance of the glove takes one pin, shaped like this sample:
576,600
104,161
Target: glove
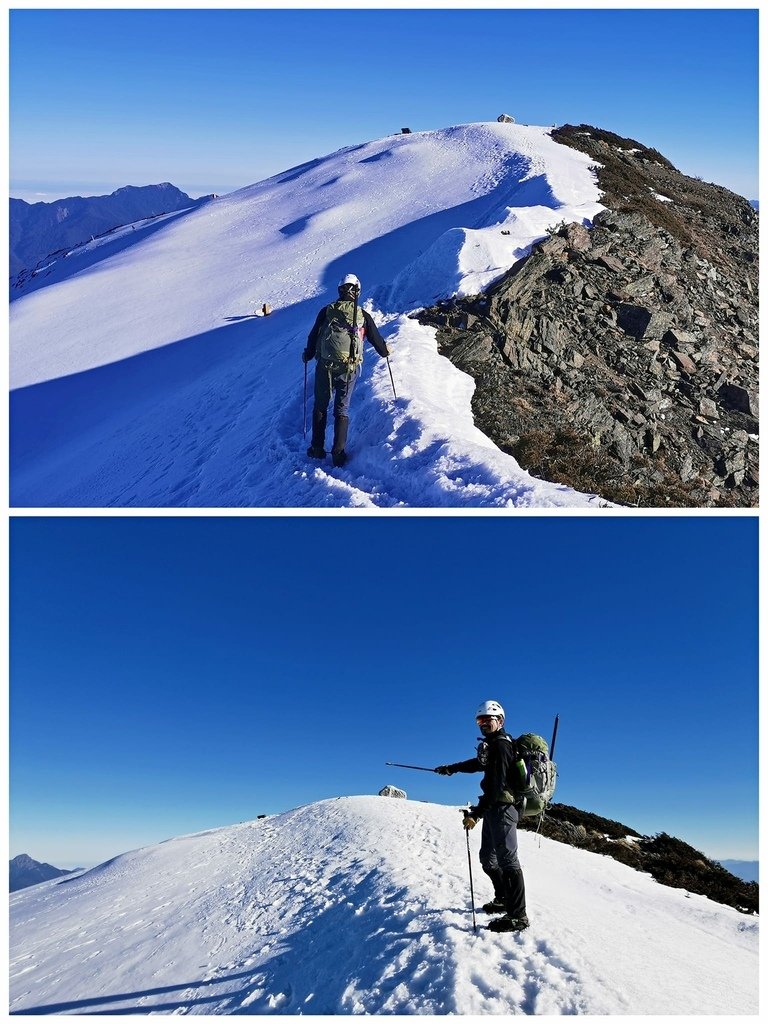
386,353
469,822
305,356
444,769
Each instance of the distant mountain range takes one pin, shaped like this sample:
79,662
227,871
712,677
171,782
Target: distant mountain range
25,871
747,870
39,229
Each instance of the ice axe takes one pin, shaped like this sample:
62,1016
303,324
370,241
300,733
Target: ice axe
554,737
415,767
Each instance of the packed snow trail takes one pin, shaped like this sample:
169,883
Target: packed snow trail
141,377
361,905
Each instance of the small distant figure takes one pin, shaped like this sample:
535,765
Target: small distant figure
405,131
266,309
505,119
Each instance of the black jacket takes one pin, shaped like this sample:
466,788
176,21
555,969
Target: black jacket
371,334
497,758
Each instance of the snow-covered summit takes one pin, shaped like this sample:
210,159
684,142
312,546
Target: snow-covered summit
361,905
141,376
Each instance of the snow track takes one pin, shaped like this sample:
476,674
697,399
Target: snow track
361,905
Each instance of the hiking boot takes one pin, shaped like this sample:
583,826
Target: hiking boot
496,906
316,449
509,924
339,458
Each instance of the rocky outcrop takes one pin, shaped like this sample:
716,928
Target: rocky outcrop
393,791
623,359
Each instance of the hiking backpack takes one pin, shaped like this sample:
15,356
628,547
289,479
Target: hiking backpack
537,774
338,341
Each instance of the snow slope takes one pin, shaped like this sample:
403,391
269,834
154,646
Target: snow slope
361,905
141,377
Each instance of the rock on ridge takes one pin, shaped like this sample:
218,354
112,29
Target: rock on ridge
624,359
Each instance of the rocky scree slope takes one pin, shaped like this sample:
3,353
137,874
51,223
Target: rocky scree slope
624,359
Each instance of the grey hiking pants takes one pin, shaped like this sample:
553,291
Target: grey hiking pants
498,856
333,380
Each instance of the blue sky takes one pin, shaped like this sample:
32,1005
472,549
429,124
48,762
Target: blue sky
215,100
174,674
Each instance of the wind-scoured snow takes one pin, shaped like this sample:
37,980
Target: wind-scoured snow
362,905
141,377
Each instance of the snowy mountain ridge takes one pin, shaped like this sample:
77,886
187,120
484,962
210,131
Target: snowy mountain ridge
361,905
143,378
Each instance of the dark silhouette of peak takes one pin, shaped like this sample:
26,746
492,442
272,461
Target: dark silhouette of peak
40,229
24,871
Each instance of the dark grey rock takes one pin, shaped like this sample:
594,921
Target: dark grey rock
736,397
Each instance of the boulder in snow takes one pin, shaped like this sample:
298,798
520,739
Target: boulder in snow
393,791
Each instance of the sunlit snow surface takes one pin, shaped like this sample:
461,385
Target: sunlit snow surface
141,377
362,905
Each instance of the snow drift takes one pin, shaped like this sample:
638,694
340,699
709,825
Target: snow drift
141,377
361,905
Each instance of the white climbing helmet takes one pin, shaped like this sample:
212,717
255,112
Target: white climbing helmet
350,279
490,707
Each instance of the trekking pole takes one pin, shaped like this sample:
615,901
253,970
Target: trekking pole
391,378
471,886
415,767
554,737
305,399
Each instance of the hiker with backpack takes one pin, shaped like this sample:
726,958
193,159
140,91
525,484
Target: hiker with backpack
500,808
336,342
